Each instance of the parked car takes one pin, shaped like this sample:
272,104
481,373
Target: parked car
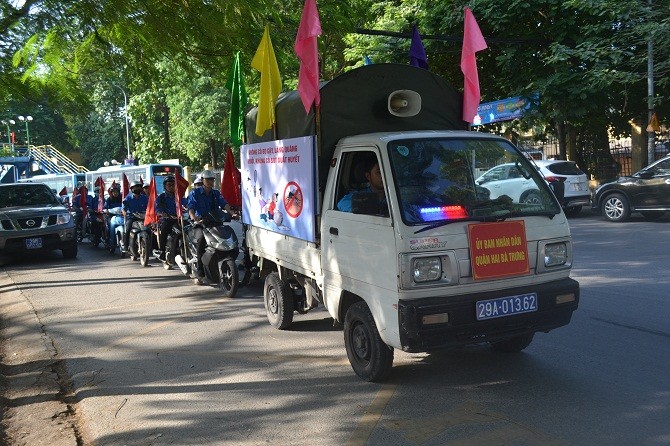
576,183
507,179
33,219
646,191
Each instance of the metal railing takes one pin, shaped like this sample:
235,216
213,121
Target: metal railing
52,160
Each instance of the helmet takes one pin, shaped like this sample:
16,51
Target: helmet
115,186
135,183
207,174
168,179
198,180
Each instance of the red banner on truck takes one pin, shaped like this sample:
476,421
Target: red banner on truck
498,249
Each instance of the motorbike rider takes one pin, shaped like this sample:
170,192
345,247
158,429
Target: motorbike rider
201,201
113,201
136,201
197,182
166,209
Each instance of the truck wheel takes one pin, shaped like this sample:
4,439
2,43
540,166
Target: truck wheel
616,208
369,356
229,278
278,300
513,345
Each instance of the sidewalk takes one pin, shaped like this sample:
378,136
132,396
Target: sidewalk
33,410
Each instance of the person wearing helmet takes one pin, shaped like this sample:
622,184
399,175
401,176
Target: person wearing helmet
113,201
197,182
202,201
146,187
166,209
136,201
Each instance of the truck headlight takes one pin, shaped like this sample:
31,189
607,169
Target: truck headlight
427,269
555,254
63,219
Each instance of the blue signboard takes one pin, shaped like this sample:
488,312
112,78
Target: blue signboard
502,110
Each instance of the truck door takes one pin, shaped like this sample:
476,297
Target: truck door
358,241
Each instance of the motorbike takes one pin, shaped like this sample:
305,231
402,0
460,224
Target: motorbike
221,251
140,240
118,231
97,227
175,251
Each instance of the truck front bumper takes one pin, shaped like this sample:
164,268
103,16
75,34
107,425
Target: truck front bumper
462,327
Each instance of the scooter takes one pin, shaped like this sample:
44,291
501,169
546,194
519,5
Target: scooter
221,251
118,230
140,241
175,251
98,227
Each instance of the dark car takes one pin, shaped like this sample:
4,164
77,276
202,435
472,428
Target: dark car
33,219
646,192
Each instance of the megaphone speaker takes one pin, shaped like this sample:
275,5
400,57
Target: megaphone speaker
404,103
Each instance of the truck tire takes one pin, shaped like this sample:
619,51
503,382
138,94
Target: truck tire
368,355
278,299
514,344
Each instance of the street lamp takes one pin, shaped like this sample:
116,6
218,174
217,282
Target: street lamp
125,102
27,119
9,131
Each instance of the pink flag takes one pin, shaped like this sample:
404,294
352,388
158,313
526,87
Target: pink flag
473,41
306,48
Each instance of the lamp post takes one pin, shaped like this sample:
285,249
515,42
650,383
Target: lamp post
125,102
9,131
27,119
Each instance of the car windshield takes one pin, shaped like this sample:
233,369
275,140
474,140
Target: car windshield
22,195
439,180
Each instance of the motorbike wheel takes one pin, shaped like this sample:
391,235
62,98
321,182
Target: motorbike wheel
229,278
143,250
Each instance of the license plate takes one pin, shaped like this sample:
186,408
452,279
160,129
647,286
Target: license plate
506,306
34,243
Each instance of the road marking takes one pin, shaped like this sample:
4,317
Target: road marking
369,420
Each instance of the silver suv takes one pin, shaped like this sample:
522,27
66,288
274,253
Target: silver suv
33,219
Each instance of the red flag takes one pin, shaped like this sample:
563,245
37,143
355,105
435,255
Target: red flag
230,183
83,195
125,187
100,183
180,185
75,193
473,41
63,191
150,216
305,48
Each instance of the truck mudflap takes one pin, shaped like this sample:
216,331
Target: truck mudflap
436,323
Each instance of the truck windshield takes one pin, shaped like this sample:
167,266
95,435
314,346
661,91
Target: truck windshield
439,180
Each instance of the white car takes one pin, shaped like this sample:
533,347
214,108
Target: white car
507,179
576,183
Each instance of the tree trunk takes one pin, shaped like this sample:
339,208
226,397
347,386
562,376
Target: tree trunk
166,129
212,152
562,138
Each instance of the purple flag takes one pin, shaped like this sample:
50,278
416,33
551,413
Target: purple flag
417,53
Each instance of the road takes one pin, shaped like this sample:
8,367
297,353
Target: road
141,356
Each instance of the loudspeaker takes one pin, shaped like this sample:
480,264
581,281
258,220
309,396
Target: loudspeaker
404,103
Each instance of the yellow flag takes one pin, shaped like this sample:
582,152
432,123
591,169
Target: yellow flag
654,126
266,62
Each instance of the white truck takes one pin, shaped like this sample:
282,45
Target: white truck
427,261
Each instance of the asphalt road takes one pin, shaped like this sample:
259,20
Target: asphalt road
141,356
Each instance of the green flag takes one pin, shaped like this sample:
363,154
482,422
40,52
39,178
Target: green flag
238,102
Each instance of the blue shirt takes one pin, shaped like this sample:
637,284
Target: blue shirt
203,204
111,203
135,204
166,203
344,204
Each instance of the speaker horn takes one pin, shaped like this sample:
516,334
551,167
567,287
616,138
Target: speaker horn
404,103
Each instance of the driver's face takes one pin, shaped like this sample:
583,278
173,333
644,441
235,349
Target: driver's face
375,178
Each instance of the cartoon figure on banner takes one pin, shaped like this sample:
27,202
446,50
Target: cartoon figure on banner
270,213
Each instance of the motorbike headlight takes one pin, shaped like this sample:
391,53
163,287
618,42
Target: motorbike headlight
63,219
427,269
555,254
